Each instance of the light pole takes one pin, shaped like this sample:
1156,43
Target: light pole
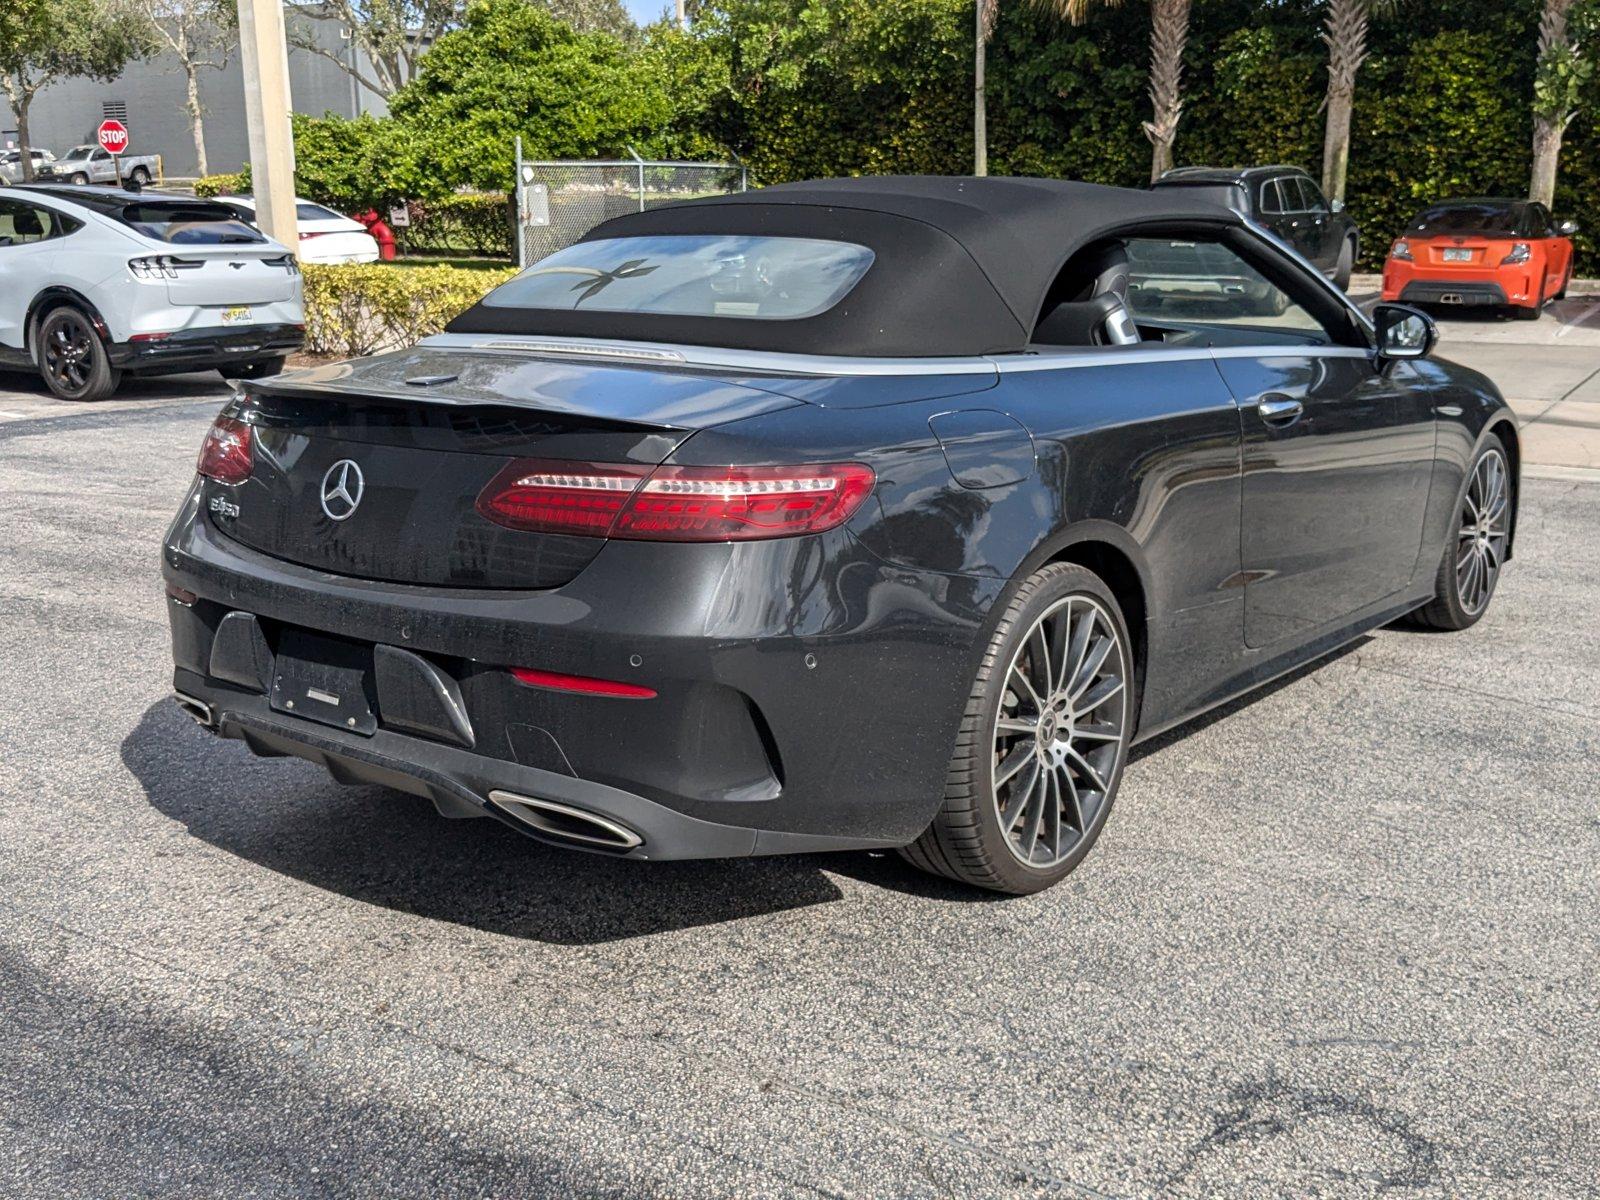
264,56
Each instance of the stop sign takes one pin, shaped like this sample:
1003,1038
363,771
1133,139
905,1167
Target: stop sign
113,136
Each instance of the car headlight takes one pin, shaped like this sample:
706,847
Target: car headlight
1521,252
1401,251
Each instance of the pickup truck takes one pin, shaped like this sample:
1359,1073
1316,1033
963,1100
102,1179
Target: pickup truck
91,164
11,163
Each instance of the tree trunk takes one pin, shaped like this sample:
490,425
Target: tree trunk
1547,133
1169,34
19,105
1548,127
980,110
1346,37
1336,144
197,125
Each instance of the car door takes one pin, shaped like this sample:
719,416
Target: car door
27,250
1274,208
1320,246
1336,456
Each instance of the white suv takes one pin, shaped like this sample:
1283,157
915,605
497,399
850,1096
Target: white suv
95,282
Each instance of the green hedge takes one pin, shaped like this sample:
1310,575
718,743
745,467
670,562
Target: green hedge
208,186
471,222
364,308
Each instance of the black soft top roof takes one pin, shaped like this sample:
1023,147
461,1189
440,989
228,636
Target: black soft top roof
962,265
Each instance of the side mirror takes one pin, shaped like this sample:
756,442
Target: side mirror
1403,331
1336,205
1567,228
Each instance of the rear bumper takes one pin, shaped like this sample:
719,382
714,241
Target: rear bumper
807,699
1469,293
205,347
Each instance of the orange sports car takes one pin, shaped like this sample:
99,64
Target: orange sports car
1482,251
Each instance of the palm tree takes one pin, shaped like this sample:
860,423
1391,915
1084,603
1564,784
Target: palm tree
1169,34
1345,32
1560,77
985,11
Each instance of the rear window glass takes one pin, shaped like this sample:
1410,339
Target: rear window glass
1489,219
766,278
315,212
185,223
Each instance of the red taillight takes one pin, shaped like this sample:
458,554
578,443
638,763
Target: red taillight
555,681
306,237
225,454
675,504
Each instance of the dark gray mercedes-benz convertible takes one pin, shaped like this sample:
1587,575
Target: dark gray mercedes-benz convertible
862,513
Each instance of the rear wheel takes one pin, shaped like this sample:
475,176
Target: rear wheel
79,177
1528,312
261,368
140,175
1043,741
72,359
1345,266
1473,557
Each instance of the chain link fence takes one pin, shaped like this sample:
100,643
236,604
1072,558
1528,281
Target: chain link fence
560,201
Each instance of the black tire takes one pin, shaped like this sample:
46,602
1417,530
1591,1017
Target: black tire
1455,605
79,177
1566,282
1345,266
966,841
1528,312
71,357
260,368
140,175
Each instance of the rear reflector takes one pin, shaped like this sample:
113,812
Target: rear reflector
672,503
225,455
582,684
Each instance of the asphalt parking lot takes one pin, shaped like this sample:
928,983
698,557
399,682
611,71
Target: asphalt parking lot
1341,939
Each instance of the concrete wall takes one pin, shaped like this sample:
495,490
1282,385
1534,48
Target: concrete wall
68,113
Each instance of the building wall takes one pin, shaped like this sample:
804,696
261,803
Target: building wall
68,113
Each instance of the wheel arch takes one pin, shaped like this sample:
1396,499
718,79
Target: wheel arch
58,294
1111,553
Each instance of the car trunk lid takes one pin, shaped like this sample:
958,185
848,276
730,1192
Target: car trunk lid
212,276
372,469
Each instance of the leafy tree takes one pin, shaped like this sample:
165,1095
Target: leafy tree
513,69
45,41
394,35
1564,67
200,34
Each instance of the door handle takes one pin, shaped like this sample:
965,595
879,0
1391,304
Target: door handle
1279,410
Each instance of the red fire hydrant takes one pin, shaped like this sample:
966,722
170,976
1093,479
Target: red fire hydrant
381,233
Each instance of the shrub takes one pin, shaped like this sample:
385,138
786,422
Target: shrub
364,308
208,186
472,222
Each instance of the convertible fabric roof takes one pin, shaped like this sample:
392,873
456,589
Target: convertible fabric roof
962,265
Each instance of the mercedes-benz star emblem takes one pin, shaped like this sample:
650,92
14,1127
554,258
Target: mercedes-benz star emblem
342,487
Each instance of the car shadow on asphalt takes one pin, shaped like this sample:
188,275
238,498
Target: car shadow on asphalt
191,386
386,848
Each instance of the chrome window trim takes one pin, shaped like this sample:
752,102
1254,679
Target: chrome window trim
766,362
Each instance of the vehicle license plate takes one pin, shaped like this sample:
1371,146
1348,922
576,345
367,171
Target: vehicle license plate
324,679
1458,256
239,314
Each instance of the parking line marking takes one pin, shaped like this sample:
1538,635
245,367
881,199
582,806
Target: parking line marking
6,412
1568,326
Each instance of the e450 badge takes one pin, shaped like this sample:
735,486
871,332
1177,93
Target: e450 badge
223,507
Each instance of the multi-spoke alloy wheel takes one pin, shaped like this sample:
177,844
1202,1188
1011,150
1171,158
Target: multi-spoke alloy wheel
72,359
1485,528
1470,566
1058,735
1043,739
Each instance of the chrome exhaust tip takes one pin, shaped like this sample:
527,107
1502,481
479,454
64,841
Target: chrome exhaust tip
565,823
198,709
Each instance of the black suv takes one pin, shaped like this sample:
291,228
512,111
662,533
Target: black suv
1287,201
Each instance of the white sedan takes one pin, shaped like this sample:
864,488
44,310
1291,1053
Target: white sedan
96,282
325,236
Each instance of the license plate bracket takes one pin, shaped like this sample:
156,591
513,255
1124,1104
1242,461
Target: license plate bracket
1458,256
326,680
